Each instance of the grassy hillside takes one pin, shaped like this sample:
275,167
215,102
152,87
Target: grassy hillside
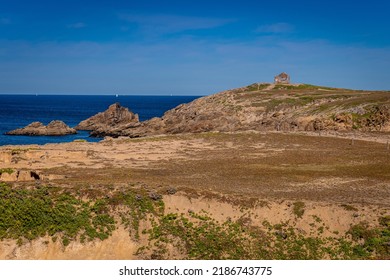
268,107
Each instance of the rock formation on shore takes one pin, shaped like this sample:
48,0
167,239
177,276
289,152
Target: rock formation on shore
115,117
261,107
54,128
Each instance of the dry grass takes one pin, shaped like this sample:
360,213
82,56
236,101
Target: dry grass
272,165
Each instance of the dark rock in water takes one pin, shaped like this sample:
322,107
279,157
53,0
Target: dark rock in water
114,118
54,128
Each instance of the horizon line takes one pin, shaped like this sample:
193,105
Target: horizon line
96,94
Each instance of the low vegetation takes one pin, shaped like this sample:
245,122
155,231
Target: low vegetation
299,209
82,216
257,86
29,214
201,237
6,170
300,87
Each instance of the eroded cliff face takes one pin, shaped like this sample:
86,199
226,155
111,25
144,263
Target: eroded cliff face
262,108
118,246
278,221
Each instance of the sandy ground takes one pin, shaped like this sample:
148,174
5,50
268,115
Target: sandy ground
273,165
110,152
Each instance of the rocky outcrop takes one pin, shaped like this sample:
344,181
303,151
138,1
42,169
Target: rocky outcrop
280,108
54,128
115,117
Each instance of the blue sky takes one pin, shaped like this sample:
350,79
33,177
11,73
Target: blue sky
190,47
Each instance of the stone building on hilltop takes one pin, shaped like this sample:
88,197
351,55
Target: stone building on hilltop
282,78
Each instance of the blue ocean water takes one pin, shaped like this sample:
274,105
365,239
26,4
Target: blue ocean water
17,111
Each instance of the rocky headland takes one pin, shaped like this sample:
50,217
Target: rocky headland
115,117
54,128
259,107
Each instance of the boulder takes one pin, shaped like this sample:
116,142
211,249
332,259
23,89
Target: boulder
54,128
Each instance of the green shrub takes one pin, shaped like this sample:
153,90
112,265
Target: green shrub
6,170
37,212
371,242
298,208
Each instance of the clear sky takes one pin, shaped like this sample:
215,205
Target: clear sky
190,47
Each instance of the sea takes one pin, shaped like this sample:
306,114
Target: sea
17,111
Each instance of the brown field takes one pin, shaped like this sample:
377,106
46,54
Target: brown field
269,165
